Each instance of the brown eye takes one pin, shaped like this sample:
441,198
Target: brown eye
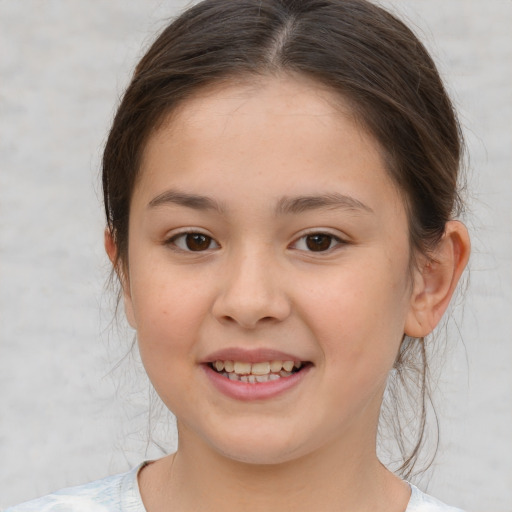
195,242
318,242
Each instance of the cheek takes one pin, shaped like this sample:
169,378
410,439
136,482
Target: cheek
168,325
168,310
359,313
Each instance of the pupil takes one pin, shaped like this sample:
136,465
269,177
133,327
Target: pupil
198,242
318,242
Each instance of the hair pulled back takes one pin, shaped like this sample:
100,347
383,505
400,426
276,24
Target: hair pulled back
359,51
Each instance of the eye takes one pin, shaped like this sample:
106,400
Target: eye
317,242
193,242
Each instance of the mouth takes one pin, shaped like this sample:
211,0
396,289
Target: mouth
258,372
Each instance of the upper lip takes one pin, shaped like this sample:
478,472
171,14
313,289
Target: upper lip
259,355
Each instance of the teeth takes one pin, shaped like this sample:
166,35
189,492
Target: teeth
256,372
275,366
288,366
260,368
242,368
252,379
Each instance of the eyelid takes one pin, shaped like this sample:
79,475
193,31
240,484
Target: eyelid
171,239
340,241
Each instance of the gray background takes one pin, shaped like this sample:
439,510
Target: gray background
68,413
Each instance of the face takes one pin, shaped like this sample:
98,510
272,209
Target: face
268,271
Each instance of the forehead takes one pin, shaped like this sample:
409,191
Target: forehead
266,100
291,128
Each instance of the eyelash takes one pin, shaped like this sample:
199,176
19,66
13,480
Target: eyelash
183,235
333,240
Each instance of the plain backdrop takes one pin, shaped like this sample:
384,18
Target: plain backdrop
72,408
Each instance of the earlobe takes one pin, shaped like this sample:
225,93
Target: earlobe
110,246
436,280
111,250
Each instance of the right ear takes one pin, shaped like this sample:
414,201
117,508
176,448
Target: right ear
111,250
110,247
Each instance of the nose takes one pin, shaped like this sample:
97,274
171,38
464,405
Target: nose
251,292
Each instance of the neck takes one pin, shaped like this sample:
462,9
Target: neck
341,477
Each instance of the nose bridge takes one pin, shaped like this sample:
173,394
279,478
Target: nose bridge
251,291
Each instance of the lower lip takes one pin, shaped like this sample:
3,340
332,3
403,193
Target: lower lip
257,391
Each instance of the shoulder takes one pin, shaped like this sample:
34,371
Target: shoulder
112,494
421,502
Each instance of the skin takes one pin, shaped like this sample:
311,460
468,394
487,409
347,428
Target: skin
249,148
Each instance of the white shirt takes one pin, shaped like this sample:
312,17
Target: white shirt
120,493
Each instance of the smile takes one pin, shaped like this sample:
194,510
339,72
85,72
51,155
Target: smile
254,373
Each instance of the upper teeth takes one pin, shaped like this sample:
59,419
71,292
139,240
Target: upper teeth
263,368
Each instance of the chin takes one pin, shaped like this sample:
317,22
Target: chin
263,449
258,457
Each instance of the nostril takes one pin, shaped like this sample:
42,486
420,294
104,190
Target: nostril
247,321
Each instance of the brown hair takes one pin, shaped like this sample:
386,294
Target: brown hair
358,50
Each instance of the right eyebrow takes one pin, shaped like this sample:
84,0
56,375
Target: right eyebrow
300,204
193,201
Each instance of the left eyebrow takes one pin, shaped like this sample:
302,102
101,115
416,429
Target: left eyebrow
193,201
300,204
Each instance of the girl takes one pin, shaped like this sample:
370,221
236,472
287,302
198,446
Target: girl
280,186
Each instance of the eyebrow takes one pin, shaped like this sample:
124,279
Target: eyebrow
285,206
294,205
193,201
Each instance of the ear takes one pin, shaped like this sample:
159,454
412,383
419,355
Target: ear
122,274
436,280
